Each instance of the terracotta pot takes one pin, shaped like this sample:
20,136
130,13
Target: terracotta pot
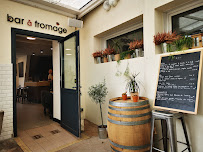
105,59
124,97
134,93
135,98
117,57
127,56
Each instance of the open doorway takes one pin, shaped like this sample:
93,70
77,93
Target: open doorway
68,120
34,82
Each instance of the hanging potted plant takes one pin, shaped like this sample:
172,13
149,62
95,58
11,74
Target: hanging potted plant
117,48
97,56
104,55
98,94
110,53
132,85
137,45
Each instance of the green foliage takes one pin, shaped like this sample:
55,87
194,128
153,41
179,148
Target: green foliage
183,41
132,84
125,53
98,92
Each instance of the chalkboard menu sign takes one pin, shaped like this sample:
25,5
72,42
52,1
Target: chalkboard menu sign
179,82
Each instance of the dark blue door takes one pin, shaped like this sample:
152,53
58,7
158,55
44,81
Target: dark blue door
70,84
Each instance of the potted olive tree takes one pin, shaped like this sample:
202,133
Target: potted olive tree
98,94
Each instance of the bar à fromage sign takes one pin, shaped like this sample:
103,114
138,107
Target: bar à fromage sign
37,24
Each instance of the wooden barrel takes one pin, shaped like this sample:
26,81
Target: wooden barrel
129,125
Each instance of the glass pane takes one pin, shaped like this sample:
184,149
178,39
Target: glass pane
70,63
126,38
196,41
77,4
189,22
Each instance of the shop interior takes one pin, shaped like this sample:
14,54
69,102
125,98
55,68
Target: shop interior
34,81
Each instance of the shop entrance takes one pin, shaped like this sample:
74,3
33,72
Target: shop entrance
69,96
34,82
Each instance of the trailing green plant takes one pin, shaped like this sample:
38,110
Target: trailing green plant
183,41
98,94
125,53
132,83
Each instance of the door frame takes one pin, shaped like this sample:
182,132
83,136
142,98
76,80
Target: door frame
15,31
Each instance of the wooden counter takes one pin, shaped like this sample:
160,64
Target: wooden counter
37,84
35,89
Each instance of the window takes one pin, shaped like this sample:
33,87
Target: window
189,22
126,38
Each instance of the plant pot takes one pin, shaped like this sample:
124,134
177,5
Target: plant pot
135,98
110,58
117,57
124,97
142,53
138,52
102,132
164,47
105,59
128,56
99,60
133,94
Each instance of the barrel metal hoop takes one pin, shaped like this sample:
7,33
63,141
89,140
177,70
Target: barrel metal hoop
130,116
120,104
130,147
133,109
114,149
132,123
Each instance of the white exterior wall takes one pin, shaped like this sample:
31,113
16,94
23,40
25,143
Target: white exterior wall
99,22
6,100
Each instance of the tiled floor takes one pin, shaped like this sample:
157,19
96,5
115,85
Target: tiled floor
92,144
48,138
31,115
38,133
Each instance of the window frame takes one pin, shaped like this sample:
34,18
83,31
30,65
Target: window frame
181,9
121,32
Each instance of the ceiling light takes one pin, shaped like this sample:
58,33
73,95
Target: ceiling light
41,51
31,38
33,53
113,2
68,49
68,54
106,5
